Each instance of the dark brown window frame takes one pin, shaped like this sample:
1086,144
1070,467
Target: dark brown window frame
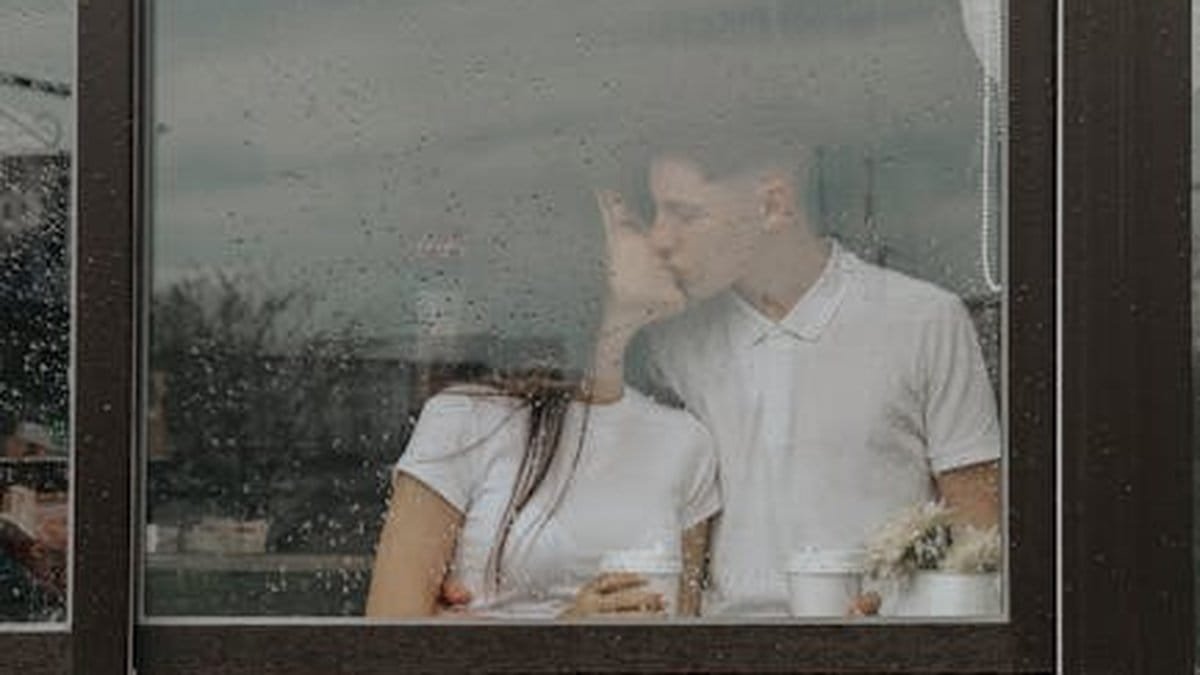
98,638
1126,477
1126,385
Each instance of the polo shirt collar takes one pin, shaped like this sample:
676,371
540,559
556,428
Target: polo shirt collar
810,316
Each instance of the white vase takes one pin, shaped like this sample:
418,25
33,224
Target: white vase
942,594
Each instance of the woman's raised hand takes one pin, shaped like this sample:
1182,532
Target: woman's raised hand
640,284
616,595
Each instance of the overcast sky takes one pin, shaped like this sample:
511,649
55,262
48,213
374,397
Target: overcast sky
292,131
315,143
37,38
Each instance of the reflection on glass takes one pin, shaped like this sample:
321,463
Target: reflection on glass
550,310
36,118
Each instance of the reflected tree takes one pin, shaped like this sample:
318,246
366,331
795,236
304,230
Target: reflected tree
35,324
266,417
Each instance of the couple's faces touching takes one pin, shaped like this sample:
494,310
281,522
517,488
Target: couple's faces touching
639,283
708,231
705,236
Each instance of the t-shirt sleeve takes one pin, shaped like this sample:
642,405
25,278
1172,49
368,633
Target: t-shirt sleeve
704,489
960,406
438,453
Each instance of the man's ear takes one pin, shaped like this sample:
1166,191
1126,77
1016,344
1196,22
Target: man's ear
777,200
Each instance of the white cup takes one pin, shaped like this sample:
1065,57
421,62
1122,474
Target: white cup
823,582
661,569
936,594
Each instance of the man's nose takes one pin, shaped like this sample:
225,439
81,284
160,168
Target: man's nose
662,236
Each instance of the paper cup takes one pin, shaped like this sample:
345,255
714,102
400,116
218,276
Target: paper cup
661,569
945,594
823,582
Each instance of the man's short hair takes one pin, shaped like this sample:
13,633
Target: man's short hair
743,154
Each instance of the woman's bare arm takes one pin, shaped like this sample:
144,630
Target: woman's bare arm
695,568
415,550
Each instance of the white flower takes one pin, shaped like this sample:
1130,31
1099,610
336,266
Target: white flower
915,539
975,551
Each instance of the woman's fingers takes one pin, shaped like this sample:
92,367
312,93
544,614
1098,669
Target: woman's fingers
865,604
630,600
604,200
618,594
454,592
622,215
640,614
610,582
614,210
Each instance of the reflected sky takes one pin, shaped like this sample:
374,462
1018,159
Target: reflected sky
37,39
313,143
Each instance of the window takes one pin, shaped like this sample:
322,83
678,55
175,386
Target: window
1124,497
305,309
36,220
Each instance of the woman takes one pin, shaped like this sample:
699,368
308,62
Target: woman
521,486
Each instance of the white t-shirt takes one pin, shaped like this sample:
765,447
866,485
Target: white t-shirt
828,422
645,473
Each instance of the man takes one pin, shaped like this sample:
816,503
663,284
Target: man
838,393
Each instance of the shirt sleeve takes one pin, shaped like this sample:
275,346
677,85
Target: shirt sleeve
438,453
960,406
704,489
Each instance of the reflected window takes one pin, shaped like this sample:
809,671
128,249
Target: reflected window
36,123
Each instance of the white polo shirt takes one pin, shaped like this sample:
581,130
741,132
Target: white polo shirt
828,422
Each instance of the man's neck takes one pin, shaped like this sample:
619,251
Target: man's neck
790,263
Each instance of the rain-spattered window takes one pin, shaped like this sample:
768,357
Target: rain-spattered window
710,294
37,116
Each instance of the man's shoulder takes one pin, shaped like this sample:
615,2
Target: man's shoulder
886,290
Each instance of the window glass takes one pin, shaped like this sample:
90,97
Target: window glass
37,51
457,307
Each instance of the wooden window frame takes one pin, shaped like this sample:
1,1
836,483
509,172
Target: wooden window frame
1126,385
1120,398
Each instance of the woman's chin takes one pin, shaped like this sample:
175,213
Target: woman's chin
666,307
647,308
